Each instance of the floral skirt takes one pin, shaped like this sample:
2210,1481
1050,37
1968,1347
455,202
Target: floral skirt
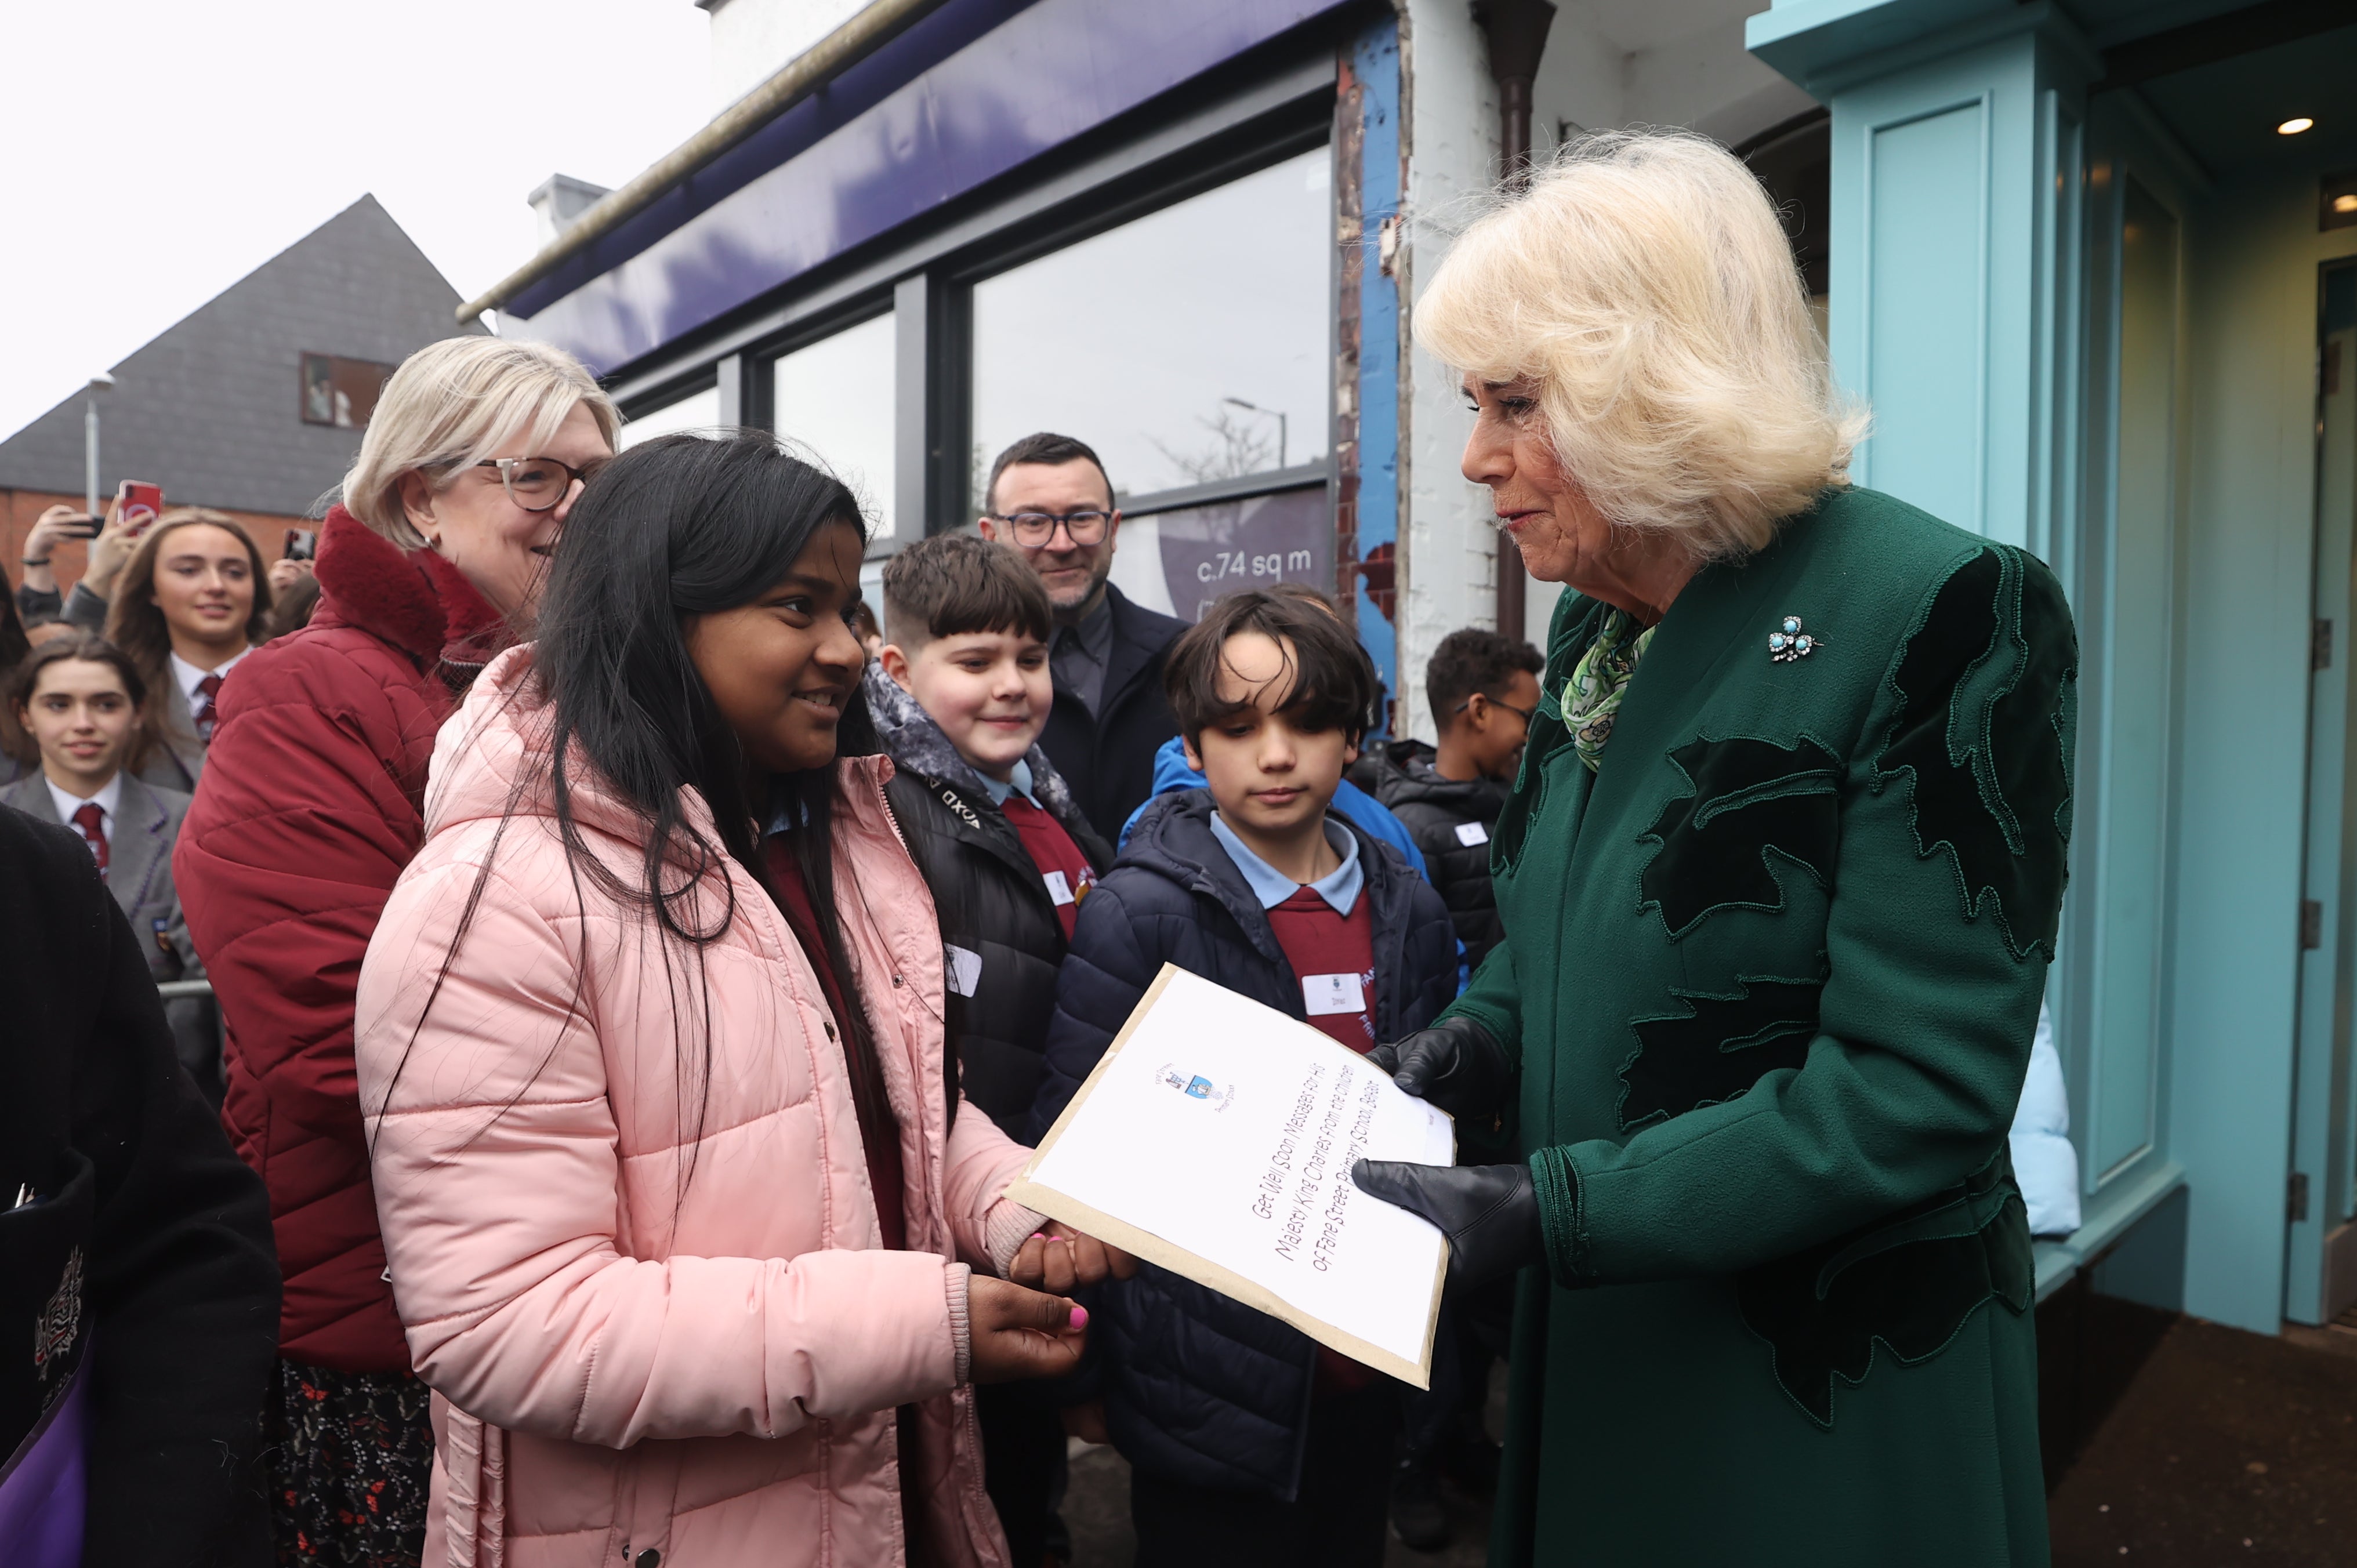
348,1456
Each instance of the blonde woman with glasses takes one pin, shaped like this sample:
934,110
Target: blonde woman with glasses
1780,878
308,810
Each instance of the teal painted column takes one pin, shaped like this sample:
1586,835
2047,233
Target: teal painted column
1954,275
1960,309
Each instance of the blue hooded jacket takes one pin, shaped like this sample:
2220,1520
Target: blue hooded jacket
1171,772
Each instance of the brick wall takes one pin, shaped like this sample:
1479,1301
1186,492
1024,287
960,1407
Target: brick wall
19,510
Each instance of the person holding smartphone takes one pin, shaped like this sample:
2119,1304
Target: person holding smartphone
14,647
293,563
38,598
188,608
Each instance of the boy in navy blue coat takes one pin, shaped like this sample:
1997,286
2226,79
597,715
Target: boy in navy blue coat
1248,1442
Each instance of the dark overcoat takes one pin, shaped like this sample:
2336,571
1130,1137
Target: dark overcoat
129,1231
139,874
1108,757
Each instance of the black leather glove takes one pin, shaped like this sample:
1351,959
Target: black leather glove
1455,1065
1489,1213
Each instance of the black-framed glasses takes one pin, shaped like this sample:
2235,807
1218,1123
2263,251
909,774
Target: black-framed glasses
536,484
1033,528
1525,715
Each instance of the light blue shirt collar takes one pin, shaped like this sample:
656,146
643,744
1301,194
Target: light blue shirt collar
1018,782
1340,887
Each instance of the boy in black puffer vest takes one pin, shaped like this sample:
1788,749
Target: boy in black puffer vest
1483,688
1248,1442
959,692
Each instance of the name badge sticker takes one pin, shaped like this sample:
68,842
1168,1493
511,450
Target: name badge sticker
1325,994
1469,835
1060,888
965,968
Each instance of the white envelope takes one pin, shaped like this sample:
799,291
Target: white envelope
1215,1139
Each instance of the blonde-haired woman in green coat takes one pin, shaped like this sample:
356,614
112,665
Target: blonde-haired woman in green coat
1780,878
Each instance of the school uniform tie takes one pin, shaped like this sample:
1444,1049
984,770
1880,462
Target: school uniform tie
203,716
92,824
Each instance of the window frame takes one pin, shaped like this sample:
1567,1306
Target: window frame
1089,224
1273,105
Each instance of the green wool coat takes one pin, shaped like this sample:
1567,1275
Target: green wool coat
1772,974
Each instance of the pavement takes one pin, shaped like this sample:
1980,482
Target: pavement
1096,1512
2224,1448
2178,1444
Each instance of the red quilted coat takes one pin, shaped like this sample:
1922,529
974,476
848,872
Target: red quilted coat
309,809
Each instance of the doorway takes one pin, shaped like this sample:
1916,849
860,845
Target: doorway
2321,1197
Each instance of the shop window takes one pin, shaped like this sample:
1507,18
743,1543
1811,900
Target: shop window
1179,561
1188,347
834,397
696,410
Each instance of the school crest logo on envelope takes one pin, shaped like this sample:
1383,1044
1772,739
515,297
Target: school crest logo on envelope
1194,1086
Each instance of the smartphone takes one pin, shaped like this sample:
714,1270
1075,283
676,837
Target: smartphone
302,544
141,503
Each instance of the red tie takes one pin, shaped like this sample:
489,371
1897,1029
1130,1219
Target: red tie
89,820
205,687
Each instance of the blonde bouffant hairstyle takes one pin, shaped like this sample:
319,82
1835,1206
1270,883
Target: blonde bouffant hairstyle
450,405
1644,287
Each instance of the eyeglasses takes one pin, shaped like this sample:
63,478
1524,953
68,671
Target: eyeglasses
1033,528
537,484
1523,713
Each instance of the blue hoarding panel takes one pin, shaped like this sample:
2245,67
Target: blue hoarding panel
1375,62
1049,73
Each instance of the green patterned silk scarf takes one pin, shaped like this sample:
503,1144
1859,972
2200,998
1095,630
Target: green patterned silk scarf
1591,698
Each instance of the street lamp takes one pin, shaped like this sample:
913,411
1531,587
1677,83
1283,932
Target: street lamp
1276,413
98,383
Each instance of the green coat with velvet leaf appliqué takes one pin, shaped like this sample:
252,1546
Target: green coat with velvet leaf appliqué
1771,973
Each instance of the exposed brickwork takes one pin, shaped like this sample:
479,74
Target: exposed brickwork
19,510
210,409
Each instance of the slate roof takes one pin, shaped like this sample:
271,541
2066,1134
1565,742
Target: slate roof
211,408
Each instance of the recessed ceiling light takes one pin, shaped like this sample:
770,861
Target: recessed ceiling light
2294,126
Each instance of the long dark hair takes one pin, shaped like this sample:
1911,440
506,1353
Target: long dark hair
680,527
15,646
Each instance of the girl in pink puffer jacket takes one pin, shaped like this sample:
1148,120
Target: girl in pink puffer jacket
688,1230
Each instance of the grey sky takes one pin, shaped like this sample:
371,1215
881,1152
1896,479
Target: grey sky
152,152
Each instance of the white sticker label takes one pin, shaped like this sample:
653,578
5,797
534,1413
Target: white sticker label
965,969
1060,888
1471,834
1323,994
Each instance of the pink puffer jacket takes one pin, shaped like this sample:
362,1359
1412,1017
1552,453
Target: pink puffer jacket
622,1366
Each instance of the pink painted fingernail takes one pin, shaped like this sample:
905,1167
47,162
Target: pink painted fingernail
1036,1236
1080,1317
